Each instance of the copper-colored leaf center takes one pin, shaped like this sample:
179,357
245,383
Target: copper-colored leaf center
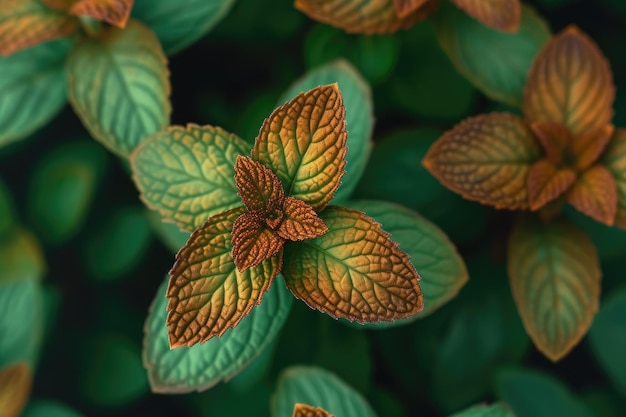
252,241
258,187
304,410
546,182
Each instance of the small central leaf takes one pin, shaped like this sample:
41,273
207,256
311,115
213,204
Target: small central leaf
252,241
257,185
547,182
588,146
115,12
300,221
595,194
554,137
304,410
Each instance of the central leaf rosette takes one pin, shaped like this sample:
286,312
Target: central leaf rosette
336,259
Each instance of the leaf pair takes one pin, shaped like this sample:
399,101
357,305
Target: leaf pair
336,259
388,16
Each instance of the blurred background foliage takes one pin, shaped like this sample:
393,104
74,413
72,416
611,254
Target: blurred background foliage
71,221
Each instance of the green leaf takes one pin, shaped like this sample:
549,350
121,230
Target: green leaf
33,89
353,271
46,408
7,210
554,274
534,394
495,62
494,410
319,388
607,337
117,244
21,320
357,99
21,257
111,371
614,158
187,174
201,366
179,24
119,86
62,188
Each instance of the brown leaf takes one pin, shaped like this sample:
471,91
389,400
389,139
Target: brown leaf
554,137
595,194
614,159
15,384
547,182
115,12
207,294
363,16
59,4
26,23
588,146
258,187
303,410
300,221
486,158
570,82
405,7
252,241
503,15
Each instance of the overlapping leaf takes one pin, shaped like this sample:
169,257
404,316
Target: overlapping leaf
187,173
304,143
119,86
208,295
253,241
615,160
115,12
504,15
26,23
199,367
554,274
571,83
487,159
546,182
354,271
15,385
303,410
300,221
32,88
257,185
404,8
595,194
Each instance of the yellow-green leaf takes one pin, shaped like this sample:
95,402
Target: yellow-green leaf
26,23
207,294
362,16
615,160
304,143
300,221
186,174
115,12
304,410
252,241
15,383
119,86
486,158
354,271
503,15
570,82
257,185
554,274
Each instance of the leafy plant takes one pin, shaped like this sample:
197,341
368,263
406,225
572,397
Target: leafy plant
564,150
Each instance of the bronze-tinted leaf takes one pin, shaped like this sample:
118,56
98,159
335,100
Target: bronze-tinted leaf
595,194
554,137
363,16
115,12
303,410
503,15
300,221
353,271
26,23
588,146
554,274
486,158
615,160
258,187
405,7
15,385
252,241
304,143
207,294
571,83
547,182
59,4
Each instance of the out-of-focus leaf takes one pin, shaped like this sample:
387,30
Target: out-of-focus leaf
62,188
46,408
534,394
201,366
319,388
21,257
32,89
495,410
7,211
117,244
607,337
15,383
180,23
495,62
303,410
614,159
114,12
357,100
119,86
503,15
595,194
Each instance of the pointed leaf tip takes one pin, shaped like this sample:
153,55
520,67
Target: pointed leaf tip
546,182
595,194
300,221
258,187
253,242
304,410
115,12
